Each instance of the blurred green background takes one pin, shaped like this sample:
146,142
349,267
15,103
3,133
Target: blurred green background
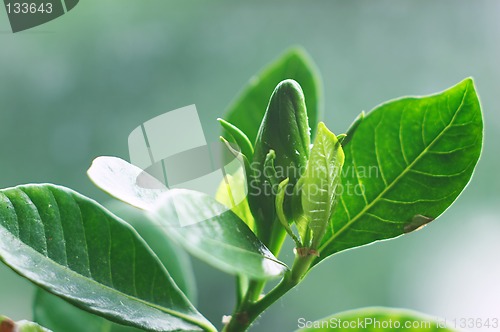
74,88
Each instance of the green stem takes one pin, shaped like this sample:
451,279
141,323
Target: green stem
254,291
241,288
278,235
249,309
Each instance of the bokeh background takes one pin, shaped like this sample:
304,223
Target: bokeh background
74,88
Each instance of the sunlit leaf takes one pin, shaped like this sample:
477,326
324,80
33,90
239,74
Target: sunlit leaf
406,163
196,221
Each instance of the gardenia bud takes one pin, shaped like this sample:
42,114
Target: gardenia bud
284,130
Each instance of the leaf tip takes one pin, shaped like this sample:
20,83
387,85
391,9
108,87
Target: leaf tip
466,84
322,128
299,52
469,80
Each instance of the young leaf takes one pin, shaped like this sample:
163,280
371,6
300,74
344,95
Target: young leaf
407,162
247,111
319,186
226,192
236,192
219,237
204,227
74,248
280,212
377,319
59,315
8,325
239,137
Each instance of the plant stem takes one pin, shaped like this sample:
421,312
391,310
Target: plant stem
241,288
249,309
277,239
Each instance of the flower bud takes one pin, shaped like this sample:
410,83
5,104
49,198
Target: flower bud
284,130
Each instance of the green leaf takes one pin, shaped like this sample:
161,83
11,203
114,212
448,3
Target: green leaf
7,325
239,137
376,319
233,190
319,185
247,110
175,260
346,138
232,187
74,248
407,162
280,212
119,179
203,226
61,316
217,237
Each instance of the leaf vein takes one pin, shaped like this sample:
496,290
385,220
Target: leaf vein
377,154
383,192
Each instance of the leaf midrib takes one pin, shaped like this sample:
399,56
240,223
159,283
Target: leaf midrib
90,279
231,247
405,171
325,158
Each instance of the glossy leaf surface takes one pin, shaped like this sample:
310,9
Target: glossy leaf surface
174,258
74,248
406,163
61,316
211,232
196,221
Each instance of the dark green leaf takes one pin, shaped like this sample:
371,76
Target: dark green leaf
239,137
74,248
412,157
247,110
376,319
212,233
175,260
61,316
204,227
